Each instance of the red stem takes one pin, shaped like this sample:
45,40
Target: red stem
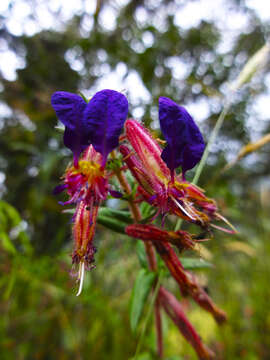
152,261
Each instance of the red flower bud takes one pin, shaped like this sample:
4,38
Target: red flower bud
181,239
187,281
174,310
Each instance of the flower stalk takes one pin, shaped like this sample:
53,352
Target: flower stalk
149,252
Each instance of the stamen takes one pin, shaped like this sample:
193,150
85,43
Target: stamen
139,171
183,209
219,216
223,229
122,138
81,277
190,209
128,155
162,142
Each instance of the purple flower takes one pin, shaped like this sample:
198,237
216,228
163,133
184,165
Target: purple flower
185,144
98,122
104,118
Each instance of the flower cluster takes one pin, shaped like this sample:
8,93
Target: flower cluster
92,131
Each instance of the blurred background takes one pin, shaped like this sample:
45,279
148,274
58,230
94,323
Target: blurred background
188,51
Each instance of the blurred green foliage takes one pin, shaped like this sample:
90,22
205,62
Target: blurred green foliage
41,318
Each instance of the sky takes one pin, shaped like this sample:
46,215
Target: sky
189,15
186,15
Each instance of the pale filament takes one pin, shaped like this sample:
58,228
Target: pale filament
183,209
190,209
81,277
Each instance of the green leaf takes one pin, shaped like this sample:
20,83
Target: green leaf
7,244
115,220
195,264
10,212
140,292
110,217
10,285
146,209
112,224
114,164
117,214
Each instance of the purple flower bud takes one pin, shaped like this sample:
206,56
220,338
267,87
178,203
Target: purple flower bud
185,144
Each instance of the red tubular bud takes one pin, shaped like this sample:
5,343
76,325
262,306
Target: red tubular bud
174,310
187,281
147,232
139,171
147,149
181,239
83,233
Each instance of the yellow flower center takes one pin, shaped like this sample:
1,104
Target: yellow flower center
89,169
180,186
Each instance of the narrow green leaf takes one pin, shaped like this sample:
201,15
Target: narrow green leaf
106,214
117,214
10,212
146,209
10,285
112,224
195,264
140,292
7,244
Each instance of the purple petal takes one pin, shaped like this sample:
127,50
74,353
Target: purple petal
69,109
185,144
76,141
115,194
104,118
59,188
